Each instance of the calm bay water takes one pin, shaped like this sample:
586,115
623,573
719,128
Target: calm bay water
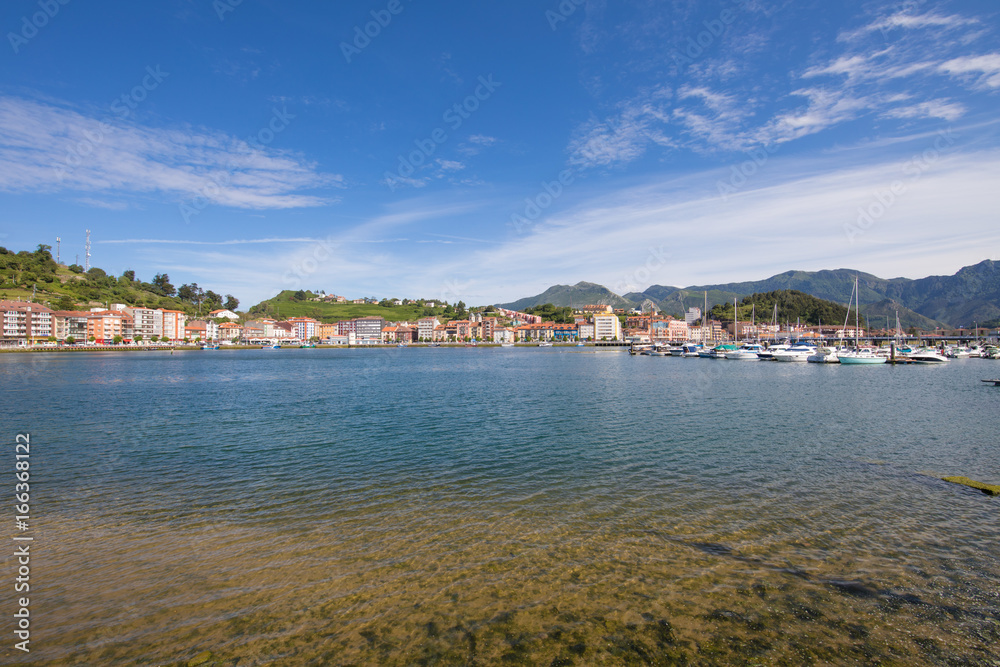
515,506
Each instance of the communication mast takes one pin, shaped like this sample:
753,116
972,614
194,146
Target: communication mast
86,266
57,249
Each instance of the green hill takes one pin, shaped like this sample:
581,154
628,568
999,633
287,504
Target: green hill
580,294
36,276
289,303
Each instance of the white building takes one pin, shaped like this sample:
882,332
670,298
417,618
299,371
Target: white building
586,331
147,322
607,327
692,315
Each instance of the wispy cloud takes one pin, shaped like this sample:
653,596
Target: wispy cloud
896,68
50,148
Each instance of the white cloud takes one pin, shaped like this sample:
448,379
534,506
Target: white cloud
987,65
942,109
47,148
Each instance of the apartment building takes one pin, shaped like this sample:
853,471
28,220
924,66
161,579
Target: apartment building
24,323
607,326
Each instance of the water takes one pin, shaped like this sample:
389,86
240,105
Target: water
504,506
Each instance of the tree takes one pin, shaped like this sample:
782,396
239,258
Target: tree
70,340
129,275
95,273
232,303
117,340
65,303
137,338
161,281
75,268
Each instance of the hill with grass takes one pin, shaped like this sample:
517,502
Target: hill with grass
302,303
573,296
35,276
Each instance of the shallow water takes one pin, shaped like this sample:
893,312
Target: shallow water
515,506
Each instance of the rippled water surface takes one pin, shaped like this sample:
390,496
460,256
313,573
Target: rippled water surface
505,506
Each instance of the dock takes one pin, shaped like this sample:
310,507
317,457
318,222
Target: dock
996,383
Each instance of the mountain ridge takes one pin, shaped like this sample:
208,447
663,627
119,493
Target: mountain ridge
971,294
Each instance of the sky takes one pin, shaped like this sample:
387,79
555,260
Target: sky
484,151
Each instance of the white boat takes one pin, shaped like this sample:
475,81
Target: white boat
859,355
545,344
797,352
926,356
824,355
691,350
506,344
862,356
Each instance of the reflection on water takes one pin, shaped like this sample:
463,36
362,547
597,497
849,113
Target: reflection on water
509,507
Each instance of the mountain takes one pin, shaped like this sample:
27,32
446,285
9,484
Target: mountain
971,295
580,294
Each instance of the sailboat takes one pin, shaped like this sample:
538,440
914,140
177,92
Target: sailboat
857,355
747,352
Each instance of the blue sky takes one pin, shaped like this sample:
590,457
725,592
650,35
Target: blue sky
485,151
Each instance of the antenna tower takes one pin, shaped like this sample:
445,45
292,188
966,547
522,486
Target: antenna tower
86,267
57,249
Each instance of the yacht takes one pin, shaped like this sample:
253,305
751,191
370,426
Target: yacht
797,352
862,356
824,355
927,356
745,353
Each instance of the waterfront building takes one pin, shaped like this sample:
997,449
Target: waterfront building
425,328
607,326
224,312
147,322
24,323
70,323
585,330
104,325
173,324
195,330
229,331
326,330
303,328
369,329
